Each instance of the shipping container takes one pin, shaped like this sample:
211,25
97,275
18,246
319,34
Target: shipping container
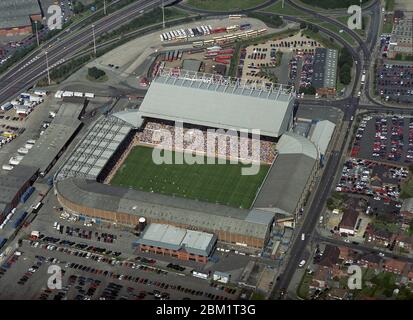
20,218
2,243
26,195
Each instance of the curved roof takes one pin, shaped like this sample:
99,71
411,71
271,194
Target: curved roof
322,134
201,215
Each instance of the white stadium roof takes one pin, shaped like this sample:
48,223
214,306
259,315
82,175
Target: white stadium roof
218,104
322,134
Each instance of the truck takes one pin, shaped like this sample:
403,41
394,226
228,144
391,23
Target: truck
23,151
7,167
20,219
67,94
40,92
363,79
7,106
25,96
245,26
58,94
89,95
78,94
26,195
14,161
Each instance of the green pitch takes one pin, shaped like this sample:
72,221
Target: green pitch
219,183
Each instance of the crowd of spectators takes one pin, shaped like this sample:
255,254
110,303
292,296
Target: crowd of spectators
205,142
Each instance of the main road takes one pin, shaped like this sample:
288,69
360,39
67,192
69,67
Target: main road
21,76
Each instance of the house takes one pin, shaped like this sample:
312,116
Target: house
348,221
398,15
347,255
379,236
405,242
394,266
330,256
370,260
410,274
406,211
320,279
338,294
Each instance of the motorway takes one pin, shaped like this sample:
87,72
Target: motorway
20,78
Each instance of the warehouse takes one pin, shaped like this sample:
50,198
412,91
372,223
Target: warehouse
232,225
176,242
219,104
325,71
16,16
52,143
13,185
291,176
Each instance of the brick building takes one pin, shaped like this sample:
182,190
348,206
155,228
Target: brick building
17,16
176,242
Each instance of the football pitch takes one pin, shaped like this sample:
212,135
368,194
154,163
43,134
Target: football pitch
216,183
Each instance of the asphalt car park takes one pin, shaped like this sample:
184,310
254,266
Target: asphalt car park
394,82
84,278
369,178
385,139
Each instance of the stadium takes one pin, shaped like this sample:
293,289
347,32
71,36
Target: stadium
111,174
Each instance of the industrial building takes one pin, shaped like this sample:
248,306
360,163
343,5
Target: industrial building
325,71
13,185
176,242
290,177
52,143
16,16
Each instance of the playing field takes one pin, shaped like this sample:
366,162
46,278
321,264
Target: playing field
217,183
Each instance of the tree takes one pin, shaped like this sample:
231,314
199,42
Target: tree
308,90
345,74
96,73
78,7
303,25
277,20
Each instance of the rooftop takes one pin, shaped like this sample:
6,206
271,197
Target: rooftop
56,136
213,101
288,176
16,13
173,238
98,145
178,211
